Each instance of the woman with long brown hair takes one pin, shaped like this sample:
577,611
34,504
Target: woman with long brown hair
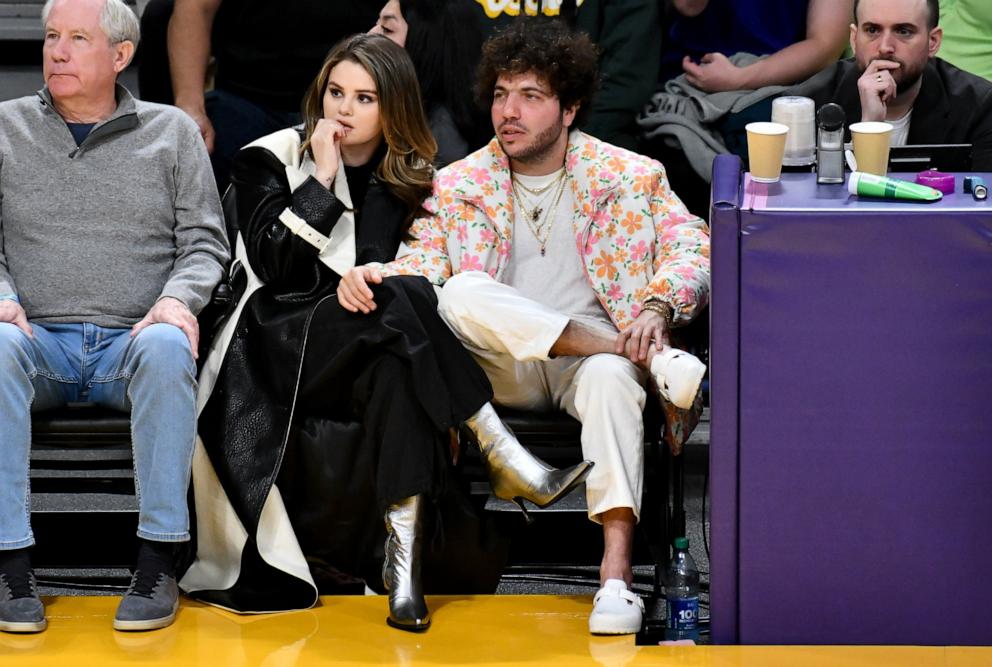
316,422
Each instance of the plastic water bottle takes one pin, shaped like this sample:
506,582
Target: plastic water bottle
682,594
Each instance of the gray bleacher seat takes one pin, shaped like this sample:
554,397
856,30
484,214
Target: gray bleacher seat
19,19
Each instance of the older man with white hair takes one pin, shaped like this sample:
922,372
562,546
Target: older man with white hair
111,240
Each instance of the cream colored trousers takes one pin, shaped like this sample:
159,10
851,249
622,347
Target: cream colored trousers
510,336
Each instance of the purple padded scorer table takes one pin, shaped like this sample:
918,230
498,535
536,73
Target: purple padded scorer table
851,433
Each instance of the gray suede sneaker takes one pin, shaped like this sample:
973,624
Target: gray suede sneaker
153,597
150,603
21,609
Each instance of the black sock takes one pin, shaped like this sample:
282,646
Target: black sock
15,568
15,560
157,556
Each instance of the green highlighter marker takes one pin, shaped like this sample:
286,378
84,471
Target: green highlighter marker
870,185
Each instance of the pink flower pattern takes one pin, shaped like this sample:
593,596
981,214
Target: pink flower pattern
665,257
471,263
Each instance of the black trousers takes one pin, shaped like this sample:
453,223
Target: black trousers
377,395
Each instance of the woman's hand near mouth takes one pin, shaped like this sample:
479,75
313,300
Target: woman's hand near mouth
326,145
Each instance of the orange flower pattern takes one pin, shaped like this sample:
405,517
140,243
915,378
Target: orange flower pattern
636,237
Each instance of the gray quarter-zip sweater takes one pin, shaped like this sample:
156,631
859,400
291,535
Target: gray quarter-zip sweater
99,232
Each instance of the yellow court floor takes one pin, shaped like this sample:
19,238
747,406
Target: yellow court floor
478,630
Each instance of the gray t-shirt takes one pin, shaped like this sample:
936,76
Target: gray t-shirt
558,278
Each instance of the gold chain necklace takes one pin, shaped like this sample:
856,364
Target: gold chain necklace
538,190
541,230
537,207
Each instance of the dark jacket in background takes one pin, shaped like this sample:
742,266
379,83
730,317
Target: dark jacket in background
953,107
269,52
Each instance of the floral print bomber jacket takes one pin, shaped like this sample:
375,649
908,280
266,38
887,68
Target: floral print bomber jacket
637,239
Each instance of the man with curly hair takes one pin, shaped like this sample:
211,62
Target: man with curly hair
564,261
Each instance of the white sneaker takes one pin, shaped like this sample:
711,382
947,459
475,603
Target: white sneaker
615,610
678,375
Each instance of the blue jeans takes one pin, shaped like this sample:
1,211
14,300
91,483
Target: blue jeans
151,375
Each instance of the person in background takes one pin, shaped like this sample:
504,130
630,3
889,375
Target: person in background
152,56
111,241
799,38
350,413
896,76
625,34
264,53
443,40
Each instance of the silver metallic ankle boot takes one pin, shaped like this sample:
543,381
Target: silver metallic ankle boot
401,569
516,474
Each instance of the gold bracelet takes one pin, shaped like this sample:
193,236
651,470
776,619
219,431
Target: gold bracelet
662,308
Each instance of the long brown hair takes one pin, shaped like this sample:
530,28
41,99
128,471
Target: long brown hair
410,148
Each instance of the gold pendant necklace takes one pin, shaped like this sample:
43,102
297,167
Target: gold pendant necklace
537,206
541,230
